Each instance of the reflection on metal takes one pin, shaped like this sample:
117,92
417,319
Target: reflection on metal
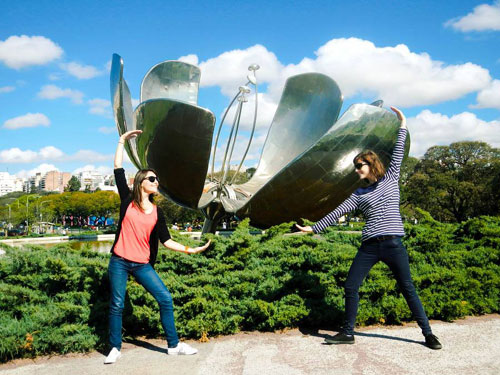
305,169
177,134
171,80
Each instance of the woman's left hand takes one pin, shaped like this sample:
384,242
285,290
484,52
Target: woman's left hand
199,249
306,229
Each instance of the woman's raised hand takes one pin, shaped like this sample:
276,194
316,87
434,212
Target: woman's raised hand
401,116
130,134
121,143
306,229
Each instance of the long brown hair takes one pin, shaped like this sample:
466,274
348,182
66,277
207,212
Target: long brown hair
136,190
377,169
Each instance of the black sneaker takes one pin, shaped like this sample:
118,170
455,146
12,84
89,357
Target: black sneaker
432,342
340,338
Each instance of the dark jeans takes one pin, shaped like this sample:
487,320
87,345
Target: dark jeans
393,253
144,274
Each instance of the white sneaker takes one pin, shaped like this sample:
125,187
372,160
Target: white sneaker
182,349
113,355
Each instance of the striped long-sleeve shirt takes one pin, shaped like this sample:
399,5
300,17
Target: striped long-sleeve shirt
379,202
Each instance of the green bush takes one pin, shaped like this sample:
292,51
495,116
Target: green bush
56,300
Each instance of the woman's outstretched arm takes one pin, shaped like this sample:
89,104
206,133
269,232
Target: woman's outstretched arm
121,143
399,148
350,204
176,246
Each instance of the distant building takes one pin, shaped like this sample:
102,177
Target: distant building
10,183
108,184
34,183
55,181
90,180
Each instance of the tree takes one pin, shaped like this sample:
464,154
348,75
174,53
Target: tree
241,177
73,184
456,182
175,213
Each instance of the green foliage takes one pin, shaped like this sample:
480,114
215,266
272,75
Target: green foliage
454,182
56,300
73,184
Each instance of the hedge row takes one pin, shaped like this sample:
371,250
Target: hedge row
56,300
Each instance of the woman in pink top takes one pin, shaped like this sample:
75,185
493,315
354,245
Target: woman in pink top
140,227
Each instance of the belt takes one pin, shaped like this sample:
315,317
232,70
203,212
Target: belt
380,239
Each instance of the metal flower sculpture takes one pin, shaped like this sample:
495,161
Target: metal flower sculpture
305,169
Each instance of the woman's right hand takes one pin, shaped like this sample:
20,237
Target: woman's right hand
129,135
307,229
120,145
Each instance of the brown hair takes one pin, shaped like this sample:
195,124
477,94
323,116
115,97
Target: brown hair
136,190
376,167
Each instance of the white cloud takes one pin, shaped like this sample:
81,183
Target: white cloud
55,76
22,51
429,129
89,155
6,89
81,71
50,153
190,59
29,120
42,168
265,112
107,129
104,170
489,97
16,155
484,17
51,92
135,102
396,74
101,107
253,154
230,69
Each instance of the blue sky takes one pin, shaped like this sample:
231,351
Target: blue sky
438,61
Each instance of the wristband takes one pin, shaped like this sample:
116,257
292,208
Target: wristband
186,249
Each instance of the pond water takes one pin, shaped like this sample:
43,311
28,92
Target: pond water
100,246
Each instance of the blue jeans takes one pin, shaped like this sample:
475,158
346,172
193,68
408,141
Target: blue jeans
393,253
144,274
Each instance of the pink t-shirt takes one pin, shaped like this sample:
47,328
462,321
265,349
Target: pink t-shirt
133,243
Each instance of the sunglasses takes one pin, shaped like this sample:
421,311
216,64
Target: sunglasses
360,165
152,179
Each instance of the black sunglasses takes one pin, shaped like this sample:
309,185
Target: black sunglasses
360,165
152,179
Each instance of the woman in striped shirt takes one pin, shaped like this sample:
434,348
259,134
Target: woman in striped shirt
381,238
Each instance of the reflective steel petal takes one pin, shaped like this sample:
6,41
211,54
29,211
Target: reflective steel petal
122,105
171,80
176,142
308,107
322,177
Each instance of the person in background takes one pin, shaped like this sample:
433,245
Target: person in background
140,227
381,237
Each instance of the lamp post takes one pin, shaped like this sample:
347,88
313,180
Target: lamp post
9,225
27,212
40,210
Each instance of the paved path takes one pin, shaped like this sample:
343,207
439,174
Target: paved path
470,346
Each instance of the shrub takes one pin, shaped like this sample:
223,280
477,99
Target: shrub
56,300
